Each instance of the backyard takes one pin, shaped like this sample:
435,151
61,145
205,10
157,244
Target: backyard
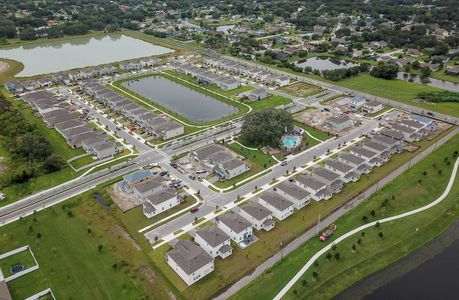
362,255
23,258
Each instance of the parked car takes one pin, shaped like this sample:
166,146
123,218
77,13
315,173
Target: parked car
284,163
194,210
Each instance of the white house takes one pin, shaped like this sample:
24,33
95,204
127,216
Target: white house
346,172
232,168
292,192
214,241
143,189
317,188
160,201
373,107
235,226
189,261
359,164
356,102
281,207
259,216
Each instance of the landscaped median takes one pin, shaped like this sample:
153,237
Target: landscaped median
378,246
243,109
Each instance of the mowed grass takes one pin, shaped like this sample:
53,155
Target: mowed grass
301,89
399,237
243,262
14,67
318,134
269,102
23,258
72,262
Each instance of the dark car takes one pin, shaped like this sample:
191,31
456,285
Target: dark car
194,210
174,165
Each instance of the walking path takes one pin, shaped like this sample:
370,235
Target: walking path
330,219
358,229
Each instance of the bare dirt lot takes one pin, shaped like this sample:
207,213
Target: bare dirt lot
122,199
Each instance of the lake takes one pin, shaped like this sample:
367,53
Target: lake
195,106
430,272
325,63
441,84
78,53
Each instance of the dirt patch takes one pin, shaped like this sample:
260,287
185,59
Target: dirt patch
4,66
122,199
300,89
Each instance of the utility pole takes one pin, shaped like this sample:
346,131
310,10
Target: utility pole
318,223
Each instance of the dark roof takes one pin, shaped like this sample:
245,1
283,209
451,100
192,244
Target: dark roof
235,222
293,190
256,210
214,236
276,200
189,257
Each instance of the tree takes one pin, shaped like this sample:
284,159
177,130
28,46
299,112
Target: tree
266,127
53,163
27,34
337,255
372,212
365,219
328,255
377,224
100,247
315,275
385,71
39,235
380,234
353,247
425,72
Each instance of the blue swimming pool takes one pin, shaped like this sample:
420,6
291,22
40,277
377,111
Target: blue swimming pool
291,142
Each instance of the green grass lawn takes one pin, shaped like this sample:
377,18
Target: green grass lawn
321,135
81,162
243,262
23,258
257,159
71,263
301,89
372,253
269,102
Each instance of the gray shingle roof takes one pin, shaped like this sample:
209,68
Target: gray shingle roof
235,222
293,190
161,196
256,210
276,200
214,236
189,257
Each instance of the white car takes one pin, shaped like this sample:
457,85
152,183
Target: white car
154,165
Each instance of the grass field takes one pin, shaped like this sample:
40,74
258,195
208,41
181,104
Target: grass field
301,89
243,262
269,102
373,252
72,262
14,67
23,258
314,132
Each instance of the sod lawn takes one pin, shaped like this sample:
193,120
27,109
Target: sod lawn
23,258
83,252
360,255
269,102
245,261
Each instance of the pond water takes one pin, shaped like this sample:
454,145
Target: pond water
325,63
446,85
194,106
60,56
428,273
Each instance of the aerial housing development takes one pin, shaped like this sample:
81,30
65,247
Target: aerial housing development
228,150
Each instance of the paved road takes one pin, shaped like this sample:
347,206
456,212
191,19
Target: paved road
396,217
331,219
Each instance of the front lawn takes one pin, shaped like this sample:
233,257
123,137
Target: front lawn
269,102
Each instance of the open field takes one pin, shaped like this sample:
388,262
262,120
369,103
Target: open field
269,102
409,191
398,90
9,69
23,258
83,252
242,108
301,89
245,261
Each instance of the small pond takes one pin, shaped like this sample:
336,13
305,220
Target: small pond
325,63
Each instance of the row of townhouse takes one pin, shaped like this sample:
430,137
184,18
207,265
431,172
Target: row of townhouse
412,129
223,162
67,78
70,125
206,76
151,191
158,126
254,73
139,64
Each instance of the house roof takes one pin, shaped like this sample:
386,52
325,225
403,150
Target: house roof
189,257
375,146
149,184
352,158
214,236
373,104
205,152
386,140
310,182
235,222
326,174
276,200
293,190
340,166
103,146
363,152
338,119
137,175
233,164
161,196
257,211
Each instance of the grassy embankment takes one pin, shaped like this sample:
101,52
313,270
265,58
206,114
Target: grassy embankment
243,262
360,255
84,252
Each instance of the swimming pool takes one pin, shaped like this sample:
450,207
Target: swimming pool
291,142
